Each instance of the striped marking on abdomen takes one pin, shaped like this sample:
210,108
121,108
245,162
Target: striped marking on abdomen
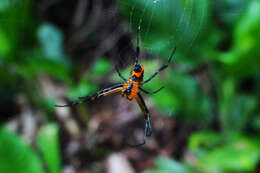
130,89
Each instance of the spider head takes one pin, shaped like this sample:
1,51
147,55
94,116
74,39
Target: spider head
137,72
138,68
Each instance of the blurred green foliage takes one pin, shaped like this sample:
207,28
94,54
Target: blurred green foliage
199,40
225,152
16,155
222,35
23,158
48,144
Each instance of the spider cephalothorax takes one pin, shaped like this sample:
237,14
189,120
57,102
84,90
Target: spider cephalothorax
137,73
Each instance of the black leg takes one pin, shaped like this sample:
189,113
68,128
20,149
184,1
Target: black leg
161,68
154,92
114,89
137,51
147,132
148,127
120,75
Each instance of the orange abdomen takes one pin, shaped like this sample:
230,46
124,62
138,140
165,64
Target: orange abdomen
130,89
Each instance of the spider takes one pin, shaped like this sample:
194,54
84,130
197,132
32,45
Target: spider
130,89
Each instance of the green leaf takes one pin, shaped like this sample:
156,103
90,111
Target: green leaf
256,123
186,96
4,4
5,46
243,57
241,111
227,92
14,25
230,10
236,109
202,142
51,40
48,143
101,67
35,64
17,156
84,88
225,153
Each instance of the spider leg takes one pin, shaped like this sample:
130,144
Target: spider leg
147,132
154,92
148,127
120,75
164,66
137,51
114,89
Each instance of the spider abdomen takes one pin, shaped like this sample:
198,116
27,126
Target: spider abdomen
130,89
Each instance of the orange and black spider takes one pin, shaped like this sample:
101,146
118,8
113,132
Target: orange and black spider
130,89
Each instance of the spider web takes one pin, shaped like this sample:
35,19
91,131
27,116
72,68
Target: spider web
179,15
154,16
183,23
